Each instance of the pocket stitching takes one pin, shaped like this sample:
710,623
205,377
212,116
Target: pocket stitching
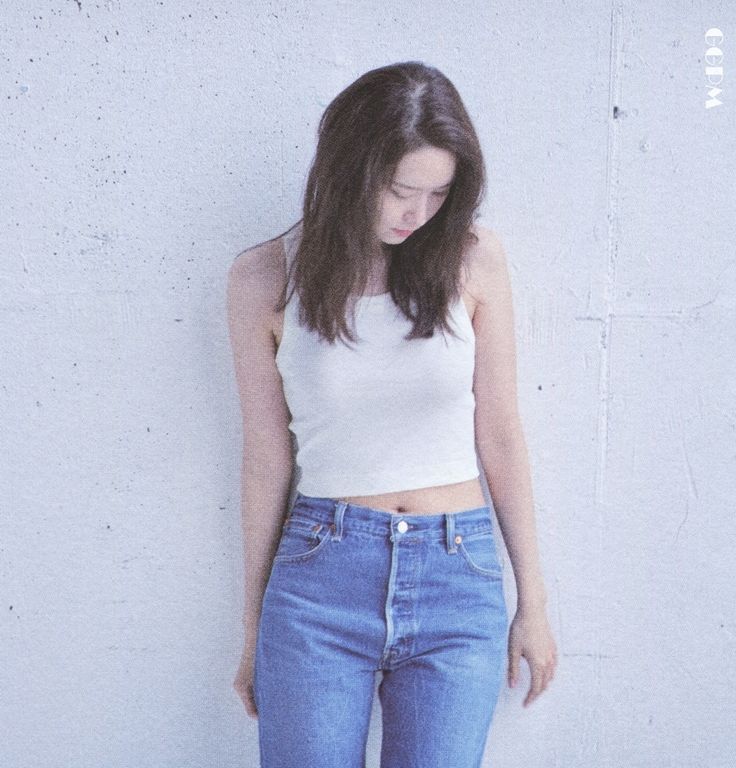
492,572
305,555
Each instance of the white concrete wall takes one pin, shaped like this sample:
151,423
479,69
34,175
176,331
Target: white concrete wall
145,144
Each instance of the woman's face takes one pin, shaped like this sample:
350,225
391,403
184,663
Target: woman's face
419,187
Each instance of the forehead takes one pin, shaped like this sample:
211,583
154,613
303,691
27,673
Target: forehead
426,168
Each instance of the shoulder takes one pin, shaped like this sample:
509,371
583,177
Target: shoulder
485,262
259,272
254,282
254,267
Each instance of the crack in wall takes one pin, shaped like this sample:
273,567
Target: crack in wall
613,146
612,214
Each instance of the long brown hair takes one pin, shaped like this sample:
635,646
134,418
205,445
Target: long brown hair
362,136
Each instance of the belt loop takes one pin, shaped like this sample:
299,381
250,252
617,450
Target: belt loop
450,532
337,525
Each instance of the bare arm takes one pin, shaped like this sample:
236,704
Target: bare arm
499,435
267,460
503,454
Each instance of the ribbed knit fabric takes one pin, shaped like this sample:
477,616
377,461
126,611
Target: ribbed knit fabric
388,415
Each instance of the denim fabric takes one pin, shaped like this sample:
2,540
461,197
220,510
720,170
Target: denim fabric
354,590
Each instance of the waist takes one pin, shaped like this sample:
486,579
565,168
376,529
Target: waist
435,499
325,510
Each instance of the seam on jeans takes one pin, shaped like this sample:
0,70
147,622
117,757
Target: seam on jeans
338,525
450,533
387,608
437,534
494,573
479,535
325,538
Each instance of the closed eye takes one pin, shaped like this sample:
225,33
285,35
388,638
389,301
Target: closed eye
444,193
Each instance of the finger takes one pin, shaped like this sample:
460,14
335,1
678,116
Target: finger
548,673
537,684
251,703
540,682
513,667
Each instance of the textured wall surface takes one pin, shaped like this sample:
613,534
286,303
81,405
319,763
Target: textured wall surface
145,144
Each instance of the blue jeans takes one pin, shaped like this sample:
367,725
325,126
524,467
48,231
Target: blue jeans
354,590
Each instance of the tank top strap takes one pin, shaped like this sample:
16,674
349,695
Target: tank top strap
291,241
290,318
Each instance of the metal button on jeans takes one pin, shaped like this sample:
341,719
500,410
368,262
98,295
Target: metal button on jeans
402,526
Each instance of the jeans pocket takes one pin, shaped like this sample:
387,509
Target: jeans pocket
301,539
479,552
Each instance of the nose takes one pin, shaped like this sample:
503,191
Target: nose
418,214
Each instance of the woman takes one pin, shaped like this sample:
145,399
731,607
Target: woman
386,559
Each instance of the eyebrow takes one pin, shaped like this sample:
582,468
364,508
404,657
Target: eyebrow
418,189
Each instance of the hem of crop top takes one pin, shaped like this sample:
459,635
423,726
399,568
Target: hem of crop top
396,482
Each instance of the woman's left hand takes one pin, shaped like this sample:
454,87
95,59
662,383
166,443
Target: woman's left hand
530,636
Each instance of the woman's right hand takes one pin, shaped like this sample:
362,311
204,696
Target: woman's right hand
243,683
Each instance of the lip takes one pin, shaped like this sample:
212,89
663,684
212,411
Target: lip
402,232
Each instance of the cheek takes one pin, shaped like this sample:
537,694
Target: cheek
435,206
389,210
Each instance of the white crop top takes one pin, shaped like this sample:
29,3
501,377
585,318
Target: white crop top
386,415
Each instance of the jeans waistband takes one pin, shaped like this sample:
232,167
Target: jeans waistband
343,517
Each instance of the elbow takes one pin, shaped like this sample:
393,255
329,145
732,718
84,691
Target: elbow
500,438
